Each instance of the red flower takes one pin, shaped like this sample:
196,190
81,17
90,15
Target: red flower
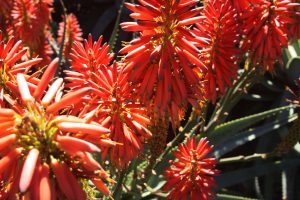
113,106
163,61
11,64
191,176
265,30
220,54
73,33
294,29
5,8
36,143
89,57
241,6
30,24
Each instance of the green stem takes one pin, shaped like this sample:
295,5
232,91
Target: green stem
232,96
244,158
118,189
114,34
189,128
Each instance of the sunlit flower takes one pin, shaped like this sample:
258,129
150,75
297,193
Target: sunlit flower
163,61
73,33
191,176
90,56
29,23
11,64
113,106
41,155
220,54
265,30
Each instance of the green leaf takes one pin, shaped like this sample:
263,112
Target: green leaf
251,134
114,35
241,175
228,129
231,197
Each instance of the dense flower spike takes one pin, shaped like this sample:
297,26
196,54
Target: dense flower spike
39,157
29,23
112,105
191,176
90,56
163,60
73,33
220,54
11,64
294,29
5,8
265,30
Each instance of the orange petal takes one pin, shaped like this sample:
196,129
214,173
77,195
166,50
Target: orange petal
23,88
7,141
9,158
46,78
62,180
28,170
81,145
101,187
52,91
69,99
45,184
5,112
84,128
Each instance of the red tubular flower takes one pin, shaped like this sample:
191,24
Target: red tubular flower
11,64
112,105
241,6
89,57
36,143
5,8
191,176
73,33
294,29
163,61
265,30
220,54
30,24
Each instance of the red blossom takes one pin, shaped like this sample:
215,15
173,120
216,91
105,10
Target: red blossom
191,176
220,28
11,63
294,29
265,30
89,57
35,143
30,24
73,33
112,105
163,61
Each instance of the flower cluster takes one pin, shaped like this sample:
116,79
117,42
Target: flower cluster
265,30
165,53
29,23
39,146
111,102
69,32
220,53
191,177
55,131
